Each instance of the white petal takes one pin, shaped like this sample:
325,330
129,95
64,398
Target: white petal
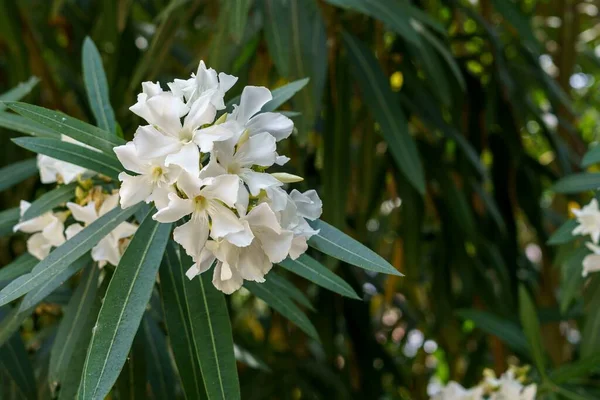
212,169
258,181
175,210
35,224
230,285
150,143
201,265
276,124
110,202
309,204
242,238
257,150
86,214
73,230
192,236
151,88
223,188
189,184
299,247
107,249
124,230
253,263
202,112
188,158
160,196
251,102
163,110
243,199
38,246
224,221
45,165
206,137
277,246
128,156
591,263
53,232
281,160
134,189
263,216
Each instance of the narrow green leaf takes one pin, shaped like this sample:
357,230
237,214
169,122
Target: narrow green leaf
11,323
158,362
317,273
578,183
62,257
590,335
572,282
49,200
531,327
238,16
20,266
213,341
285,286
123,308
21,124
19,91
70,329
32,298
277,35
8,219
96,87
17,172
386,110
133,380
503,329
284,306
72,127
177,318
575,370
74,154
337,244
591,157
15,359
284,93
564,233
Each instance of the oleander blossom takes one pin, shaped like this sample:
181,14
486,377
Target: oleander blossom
47,231
208,173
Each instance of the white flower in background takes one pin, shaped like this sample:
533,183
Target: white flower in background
589,221
154,182
47,232
508,387
591,262
204,83
53,170
455,391
208,202
109,249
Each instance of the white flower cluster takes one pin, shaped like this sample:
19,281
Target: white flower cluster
230,210
53,170
588,219
49,231
508,387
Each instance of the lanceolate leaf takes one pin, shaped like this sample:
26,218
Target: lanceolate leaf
8,219
123,308
578,183
577,369
284,93
177,318
238,12
317,273
283,285
73,154
284,306
133,380
386,110
11,323
15,359
72,324
531,327
72,127
21,124
22,265
590,338
62,257
213,341
591,157
34,297
97,87
19,91
337,244
17,172
49,200
564,233
158,361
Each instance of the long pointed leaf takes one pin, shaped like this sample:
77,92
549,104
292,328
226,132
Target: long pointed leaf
8,219
17,123
67,253
72,127
20,266
19,91
17,172
317,273
213,341
531,327
158,362
15,359
123,308
97,87
577,183
74,154
49,200
288,288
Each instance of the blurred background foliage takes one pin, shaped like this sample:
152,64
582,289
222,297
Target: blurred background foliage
433,130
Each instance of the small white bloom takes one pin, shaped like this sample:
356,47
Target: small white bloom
204,83
509,388
207,202
455,391
47,232
108,249
154,182
589,221
53,170
591,262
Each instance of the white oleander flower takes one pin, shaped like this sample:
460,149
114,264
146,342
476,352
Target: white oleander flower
455,391
299,208
154,182
591,262
109,248
167,137
510,388
47,232
53,170
207,201
589,221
